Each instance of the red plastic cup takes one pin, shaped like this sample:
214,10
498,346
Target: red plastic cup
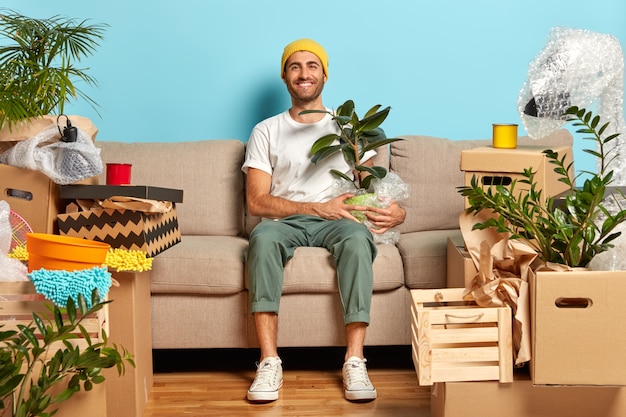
118,174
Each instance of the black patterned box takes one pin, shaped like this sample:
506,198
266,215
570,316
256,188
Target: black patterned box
126,229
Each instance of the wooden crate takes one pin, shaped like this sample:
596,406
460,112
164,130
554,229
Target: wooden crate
455,340
18,302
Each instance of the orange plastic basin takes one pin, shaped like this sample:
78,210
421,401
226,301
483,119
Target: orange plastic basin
63,252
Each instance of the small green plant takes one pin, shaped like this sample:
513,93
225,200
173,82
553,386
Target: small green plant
570,229
355,138
38,64
29,369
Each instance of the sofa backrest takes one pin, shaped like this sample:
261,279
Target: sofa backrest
208,172
432,169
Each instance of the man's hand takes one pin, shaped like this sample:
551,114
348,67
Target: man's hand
383,219
337,208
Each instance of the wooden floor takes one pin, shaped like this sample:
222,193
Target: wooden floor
210,383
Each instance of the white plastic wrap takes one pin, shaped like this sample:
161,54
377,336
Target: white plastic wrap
10,269
62,162
576,68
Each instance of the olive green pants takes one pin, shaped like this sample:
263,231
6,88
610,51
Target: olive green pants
272,244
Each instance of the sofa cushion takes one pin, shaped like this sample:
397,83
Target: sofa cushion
431,168
208,172
201,265
424,255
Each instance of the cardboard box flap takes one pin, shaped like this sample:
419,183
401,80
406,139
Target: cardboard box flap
30,127
488,159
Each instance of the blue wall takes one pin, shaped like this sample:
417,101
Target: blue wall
197,69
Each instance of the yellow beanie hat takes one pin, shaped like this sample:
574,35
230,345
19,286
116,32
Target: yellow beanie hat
308,45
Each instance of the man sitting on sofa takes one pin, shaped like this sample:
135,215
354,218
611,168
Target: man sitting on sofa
285,186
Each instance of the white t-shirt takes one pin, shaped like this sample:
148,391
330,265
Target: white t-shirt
281,147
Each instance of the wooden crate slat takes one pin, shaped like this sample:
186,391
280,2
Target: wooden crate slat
424,351
470,354
433,295
463,315
464,335
506,345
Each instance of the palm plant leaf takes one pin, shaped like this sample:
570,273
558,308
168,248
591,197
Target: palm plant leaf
38,64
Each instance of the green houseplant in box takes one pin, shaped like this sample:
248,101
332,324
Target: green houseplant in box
30,367
570,229
356,137
38,64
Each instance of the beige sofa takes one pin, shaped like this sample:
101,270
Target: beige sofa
199,296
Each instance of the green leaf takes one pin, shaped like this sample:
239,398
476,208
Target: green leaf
82,304
377,172
375,120
380,143
346,109
58,318
71,310
325,153
324,142
372,111
29,334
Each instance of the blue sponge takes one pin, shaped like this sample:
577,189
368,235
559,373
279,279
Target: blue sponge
58,285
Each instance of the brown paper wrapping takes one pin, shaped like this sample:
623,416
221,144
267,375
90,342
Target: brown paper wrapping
125,203
504,268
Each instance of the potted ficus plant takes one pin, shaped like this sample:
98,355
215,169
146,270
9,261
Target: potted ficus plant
38,64
356,137
35,378
570,229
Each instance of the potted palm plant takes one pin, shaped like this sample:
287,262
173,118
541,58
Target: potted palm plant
570,229
38,64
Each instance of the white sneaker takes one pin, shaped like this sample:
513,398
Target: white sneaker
267,382
356,382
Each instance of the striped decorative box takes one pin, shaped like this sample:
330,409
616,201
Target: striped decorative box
126,229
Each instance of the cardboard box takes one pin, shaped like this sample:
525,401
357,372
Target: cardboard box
454,340
127,229
33,196
492,166
19,302
30,193
460,269
30,127
522,399
102,192
131,327
578,332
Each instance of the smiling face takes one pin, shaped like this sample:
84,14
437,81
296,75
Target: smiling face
304,77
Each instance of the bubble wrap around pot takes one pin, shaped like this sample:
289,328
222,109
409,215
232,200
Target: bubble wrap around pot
390,188
62,162
576,68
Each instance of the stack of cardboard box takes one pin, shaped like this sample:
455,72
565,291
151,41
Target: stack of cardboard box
578,364
42,204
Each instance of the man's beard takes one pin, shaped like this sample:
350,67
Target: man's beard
307,97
